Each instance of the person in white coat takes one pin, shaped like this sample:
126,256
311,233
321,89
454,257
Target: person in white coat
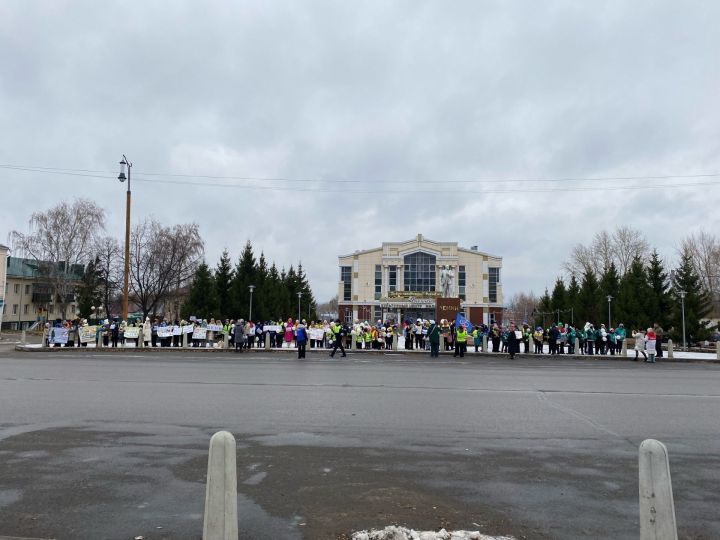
639,344
147,331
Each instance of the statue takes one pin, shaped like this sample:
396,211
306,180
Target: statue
447,278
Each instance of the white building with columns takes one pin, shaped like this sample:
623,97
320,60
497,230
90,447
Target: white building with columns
402,280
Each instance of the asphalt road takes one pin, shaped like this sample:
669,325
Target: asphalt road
114,446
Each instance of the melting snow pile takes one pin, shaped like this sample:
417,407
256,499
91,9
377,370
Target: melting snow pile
401,533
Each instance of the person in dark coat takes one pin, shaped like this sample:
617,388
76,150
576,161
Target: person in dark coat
434,339
513,342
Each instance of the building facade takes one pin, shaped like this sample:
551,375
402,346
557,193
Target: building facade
399,281
27,295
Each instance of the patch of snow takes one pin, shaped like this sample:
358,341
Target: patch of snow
401,533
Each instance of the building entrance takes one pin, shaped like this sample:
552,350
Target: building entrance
413,314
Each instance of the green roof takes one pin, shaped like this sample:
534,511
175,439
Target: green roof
30,268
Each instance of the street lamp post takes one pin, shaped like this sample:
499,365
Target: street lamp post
299,296
610,299
126,284
682,308
251,288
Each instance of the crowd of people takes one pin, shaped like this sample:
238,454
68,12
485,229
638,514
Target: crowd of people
420,334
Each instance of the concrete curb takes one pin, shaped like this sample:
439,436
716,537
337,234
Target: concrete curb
468,355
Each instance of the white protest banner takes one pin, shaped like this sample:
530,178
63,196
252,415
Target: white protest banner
165,331
87,334
316,333
132,333
188,329
177,330
214,327
60,336
271,328
199,333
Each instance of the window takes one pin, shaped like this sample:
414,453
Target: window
346,278
392,278
15,309
419,273
26,309
27,289
378,281
494,279
17,288
461,282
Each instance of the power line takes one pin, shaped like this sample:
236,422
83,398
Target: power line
96,174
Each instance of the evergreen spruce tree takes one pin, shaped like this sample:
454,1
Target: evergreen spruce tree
310,306
659,309
558,301
589,300
88,291
260,296
223,277
634,295
610,286
243,277
697,302
573,299
202,298
542,312
275,294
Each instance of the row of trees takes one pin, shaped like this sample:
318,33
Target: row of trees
164,262
224,292
641,290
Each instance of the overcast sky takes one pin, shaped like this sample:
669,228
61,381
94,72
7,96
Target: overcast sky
370,113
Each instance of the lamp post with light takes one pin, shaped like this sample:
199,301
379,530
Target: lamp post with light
126,284
682,308
251,288
299,296
610,299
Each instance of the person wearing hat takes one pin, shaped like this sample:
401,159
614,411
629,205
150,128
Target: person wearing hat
433,337
460,341
301,339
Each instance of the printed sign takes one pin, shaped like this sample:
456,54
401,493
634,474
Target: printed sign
316,333
87,333
188,329
214,327
165,331
199,333
132,333
60,336
177,330
272,328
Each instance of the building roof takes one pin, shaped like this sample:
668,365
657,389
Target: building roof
420,238
3,246
30,268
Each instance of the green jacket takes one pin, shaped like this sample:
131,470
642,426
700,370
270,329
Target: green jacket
434,334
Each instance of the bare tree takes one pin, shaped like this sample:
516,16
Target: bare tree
108,265
704,250
162,259
331,306
60,241
627,244
620,247
523,304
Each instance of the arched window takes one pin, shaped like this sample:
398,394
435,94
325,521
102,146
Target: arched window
419,272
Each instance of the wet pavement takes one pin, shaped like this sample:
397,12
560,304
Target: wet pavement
114,446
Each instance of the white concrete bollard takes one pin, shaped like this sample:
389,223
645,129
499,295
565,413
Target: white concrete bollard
396,338
657,510
23,339
485,343
670,353
717,346
184,340
577,346
221,520
267,341
624,347
226,341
